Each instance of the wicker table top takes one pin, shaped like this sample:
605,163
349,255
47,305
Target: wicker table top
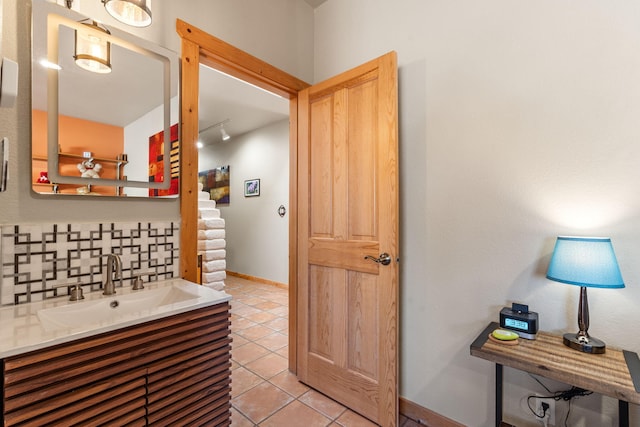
611,374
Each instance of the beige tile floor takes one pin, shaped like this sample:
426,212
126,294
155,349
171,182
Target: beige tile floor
264,392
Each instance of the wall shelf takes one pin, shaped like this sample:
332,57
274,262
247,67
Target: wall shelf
118,163
80,156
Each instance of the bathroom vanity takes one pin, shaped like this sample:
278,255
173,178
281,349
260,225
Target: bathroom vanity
164,359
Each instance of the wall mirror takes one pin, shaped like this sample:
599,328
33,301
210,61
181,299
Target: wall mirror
101,126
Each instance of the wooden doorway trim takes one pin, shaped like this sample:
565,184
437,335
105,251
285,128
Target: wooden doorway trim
199,47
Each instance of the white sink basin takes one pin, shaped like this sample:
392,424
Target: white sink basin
40,324
114,307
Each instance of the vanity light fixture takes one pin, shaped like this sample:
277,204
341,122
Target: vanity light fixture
588,262
92,52
136,13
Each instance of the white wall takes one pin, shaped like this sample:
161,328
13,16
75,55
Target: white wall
279,32
518,122
257,237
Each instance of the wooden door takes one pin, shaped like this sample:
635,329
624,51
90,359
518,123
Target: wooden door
347,339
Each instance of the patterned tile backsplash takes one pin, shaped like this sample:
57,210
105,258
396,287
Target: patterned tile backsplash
38,261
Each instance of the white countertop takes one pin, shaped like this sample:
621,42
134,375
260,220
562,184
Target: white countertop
21,329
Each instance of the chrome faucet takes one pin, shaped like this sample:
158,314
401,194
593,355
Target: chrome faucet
114,265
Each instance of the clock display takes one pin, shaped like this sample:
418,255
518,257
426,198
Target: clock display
520,319
517,324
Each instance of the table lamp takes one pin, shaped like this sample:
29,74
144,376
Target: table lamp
588,262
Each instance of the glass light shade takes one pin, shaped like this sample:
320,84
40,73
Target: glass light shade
136,13
585,261
92,52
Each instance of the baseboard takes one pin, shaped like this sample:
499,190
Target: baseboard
424,416
258,279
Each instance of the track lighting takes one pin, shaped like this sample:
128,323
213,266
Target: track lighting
223,133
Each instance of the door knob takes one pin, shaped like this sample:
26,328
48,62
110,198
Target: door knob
384,259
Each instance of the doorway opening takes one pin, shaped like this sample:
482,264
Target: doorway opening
243,163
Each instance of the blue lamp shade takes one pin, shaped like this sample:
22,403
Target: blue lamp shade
585,261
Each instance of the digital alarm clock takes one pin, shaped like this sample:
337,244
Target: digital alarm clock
519,319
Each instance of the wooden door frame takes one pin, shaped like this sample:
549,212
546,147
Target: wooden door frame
199,47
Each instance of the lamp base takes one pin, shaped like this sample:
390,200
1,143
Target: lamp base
577,342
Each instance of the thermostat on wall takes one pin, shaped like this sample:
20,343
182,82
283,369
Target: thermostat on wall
518,318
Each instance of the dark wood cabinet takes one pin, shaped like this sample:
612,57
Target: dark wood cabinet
170,371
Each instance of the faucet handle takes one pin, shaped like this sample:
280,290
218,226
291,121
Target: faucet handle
137,283
75,290
76,293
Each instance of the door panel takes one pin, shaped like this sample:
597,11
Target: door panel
323,170
362,161
325,287
362,324
348,209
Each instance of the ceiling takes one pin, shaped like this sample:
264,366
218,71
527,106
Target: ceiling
246,107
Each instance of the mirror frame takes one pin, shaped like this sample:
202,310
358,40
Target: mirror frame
54,21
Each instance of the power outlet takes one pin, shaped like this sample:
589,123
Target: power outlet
537,405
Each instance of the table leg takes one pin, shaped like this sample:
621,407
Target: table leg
623,413
499,394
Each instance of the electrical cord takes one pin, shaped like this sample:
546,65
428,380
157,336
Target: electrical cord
546,414
533,411
545,411
565,395
570,394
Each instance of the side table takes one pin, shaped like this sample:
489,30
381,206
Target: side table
616,373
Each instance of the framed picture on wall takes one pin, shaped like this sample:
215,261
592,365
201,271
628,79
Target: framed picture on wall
251,187
156,162
216,182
